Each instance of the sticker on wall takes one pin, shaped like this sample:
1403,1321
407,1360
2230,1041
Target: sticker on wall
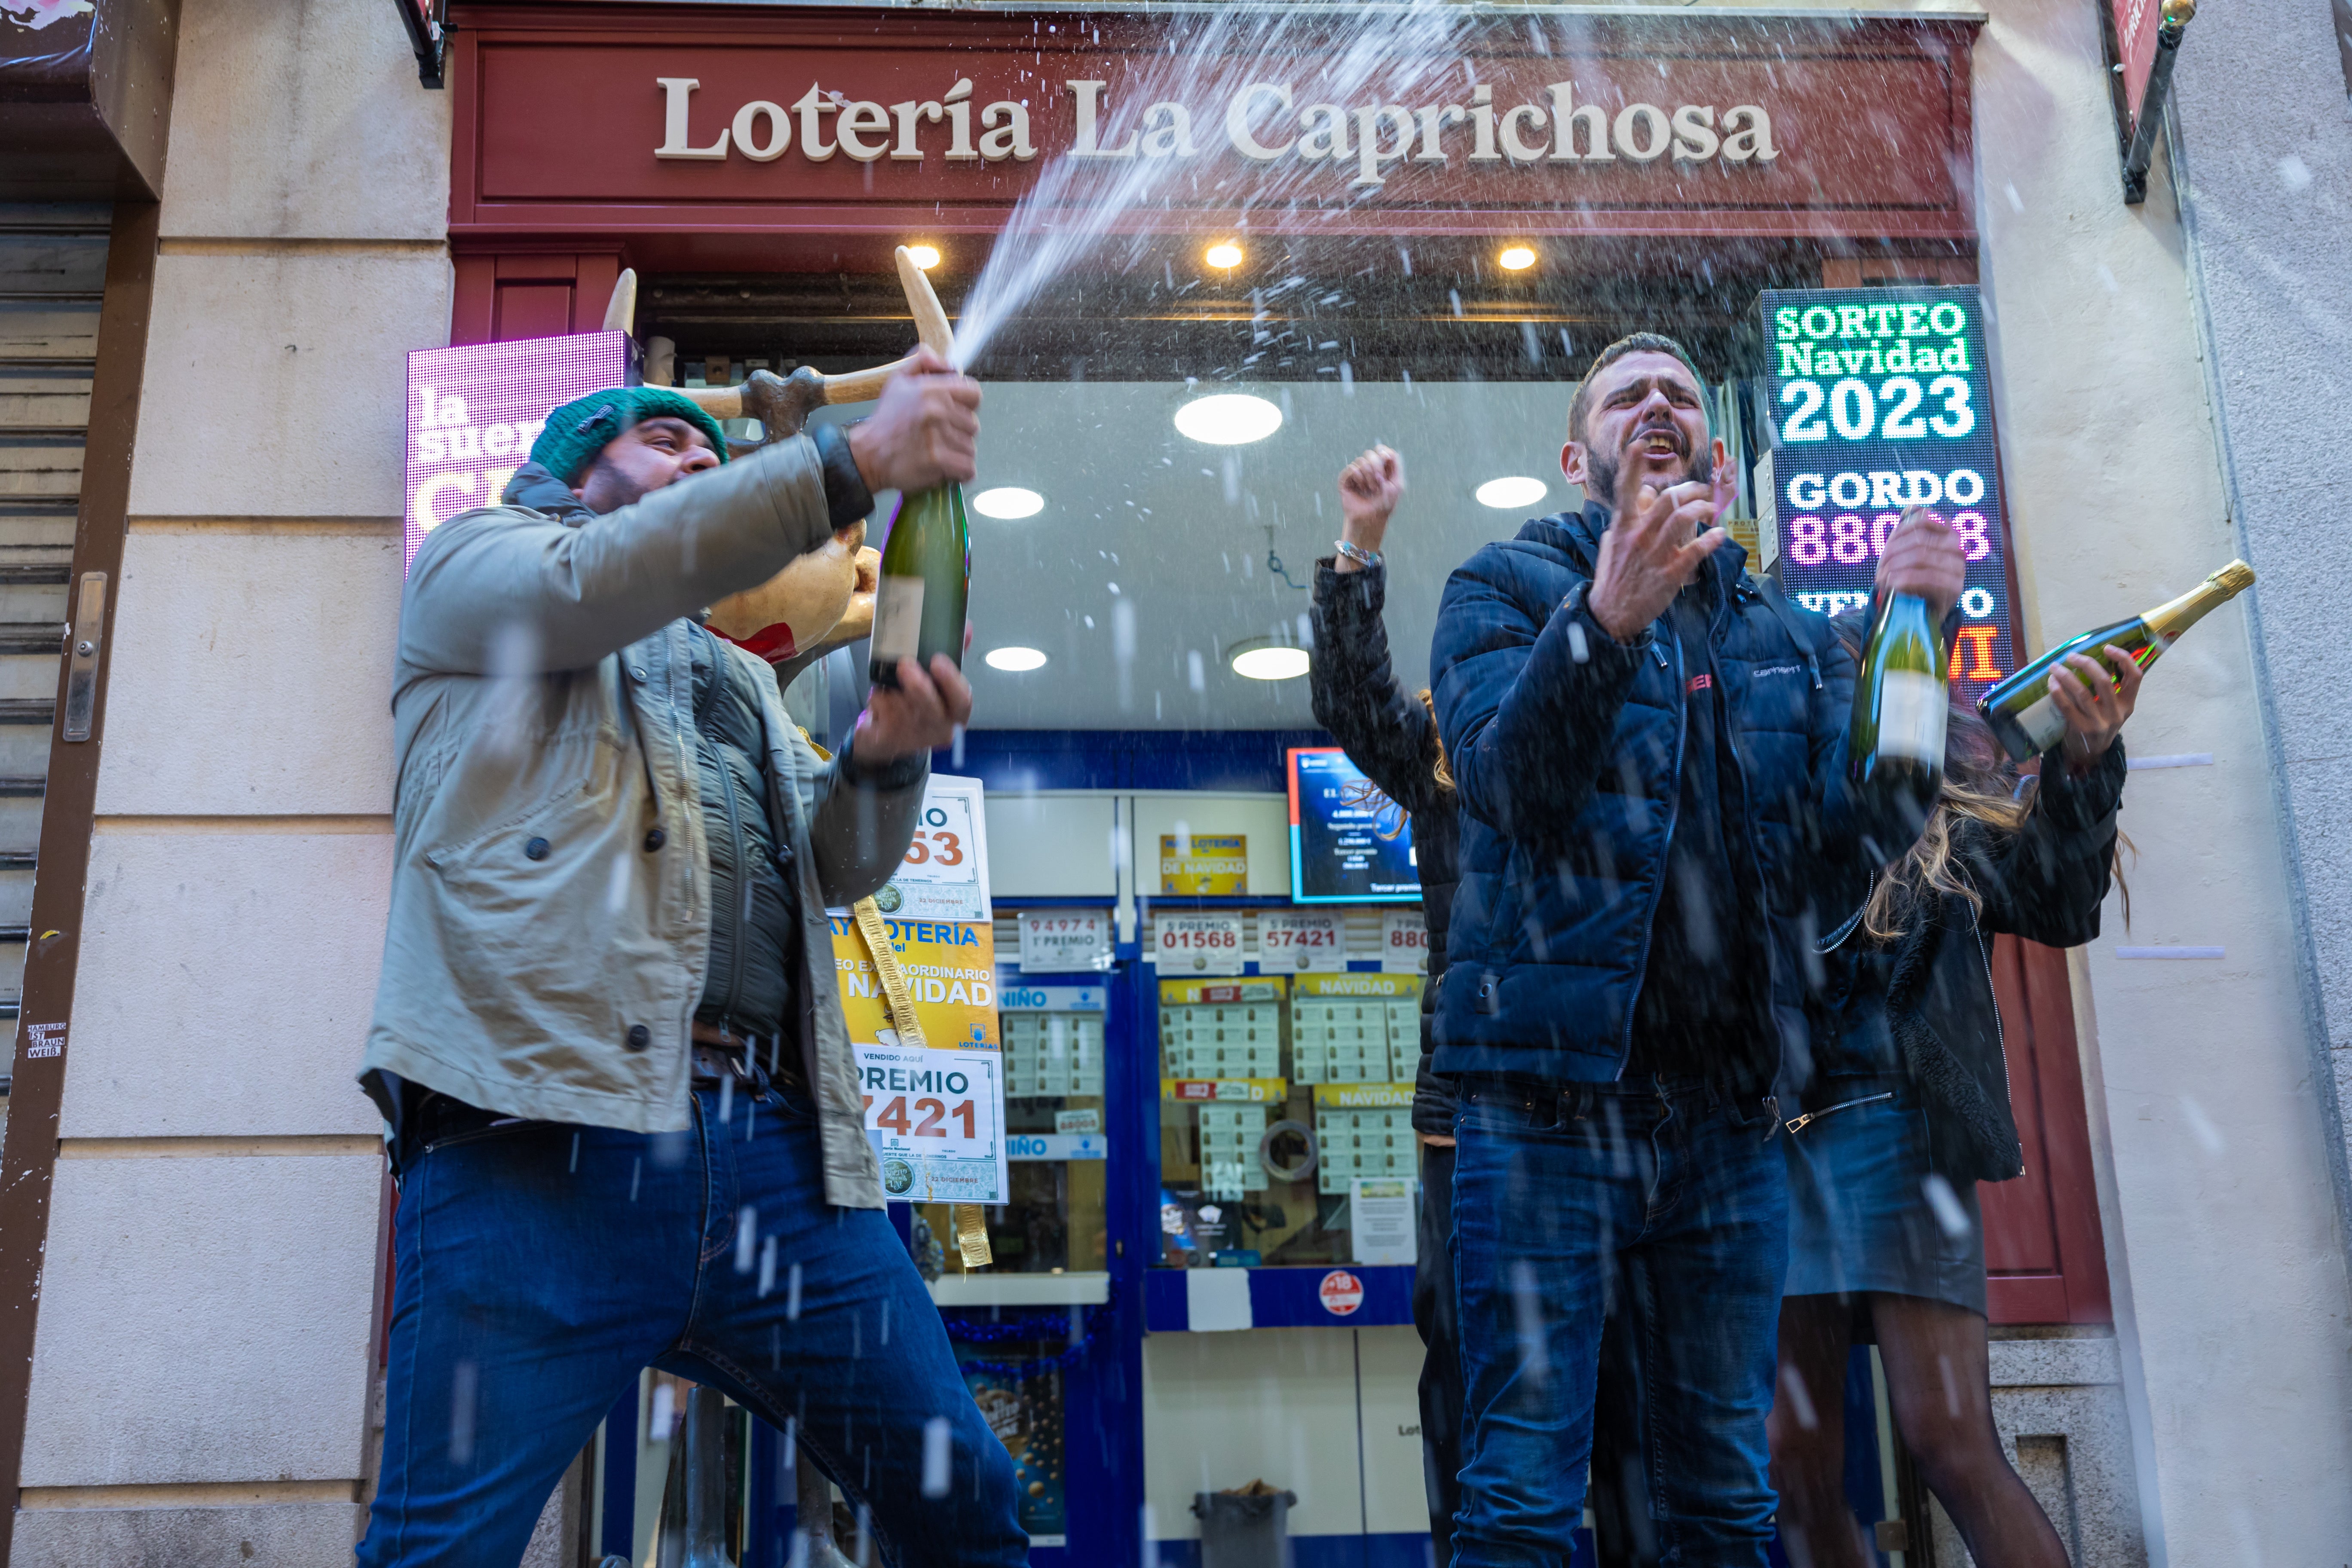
1198,864
1340,1292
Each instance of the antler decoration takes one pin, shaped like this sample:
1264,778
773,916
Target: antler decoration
825,598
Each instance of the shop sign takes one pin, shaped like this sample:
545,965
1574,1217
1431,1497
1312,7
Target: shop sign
1056,1146
945,875
1292,939
1062,941
473,413
950,970
1382,1224
786,130
1340,1292
1404,942
1882,402
1214,992
1019,997
1258,122
1195,863
1243,1090
1198,945
1362,1096
1390,986
936,1119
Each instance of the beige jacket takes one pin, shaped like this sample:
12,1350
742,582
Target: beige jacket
550,917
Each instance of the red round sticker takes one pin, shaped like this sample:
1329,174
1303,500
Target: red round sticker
1341,1291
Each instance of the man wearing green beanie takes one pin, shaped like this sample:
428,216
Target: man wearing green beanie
624,1115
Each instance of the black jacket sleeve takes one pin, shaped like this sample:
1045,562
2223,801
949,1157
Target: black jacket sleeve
2046,881
1383,729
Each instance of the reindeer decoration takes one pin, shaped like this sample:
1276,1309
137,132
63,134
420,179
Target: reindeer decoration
825,600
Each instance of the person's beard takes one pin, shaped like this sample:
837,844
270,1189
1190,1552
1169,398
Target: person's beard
1606,468
608,487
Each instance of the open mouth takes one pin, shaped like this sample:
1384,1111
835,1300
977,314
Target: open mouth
1659,444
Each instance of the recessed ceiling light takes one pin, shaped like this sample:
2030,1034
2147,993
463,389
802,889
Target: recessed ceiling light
1224,255
924,255
1508,494
1008,501
1015,660
1229,419
1516,258
1262,658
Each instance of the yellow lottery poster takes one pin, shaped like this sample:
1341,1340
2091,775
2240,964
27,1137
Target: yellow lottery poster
950,969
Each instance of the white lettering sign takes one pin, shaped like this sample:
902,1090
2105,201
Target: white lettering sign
1263,121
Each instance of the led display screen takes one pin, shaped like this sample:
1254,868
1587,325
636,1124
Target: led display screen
1879,401
473,413
1350,844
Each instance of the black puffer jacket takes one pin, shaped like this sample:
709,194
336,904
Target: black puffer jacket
1386,731
1923,1007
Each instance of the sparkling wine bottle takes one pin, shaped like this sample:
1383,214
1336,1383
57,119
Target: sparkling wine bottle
1900,701
918,607
2020,709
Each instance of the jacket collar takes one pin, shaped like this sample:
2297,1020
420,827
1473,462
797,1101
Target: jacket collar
1578,535
533,487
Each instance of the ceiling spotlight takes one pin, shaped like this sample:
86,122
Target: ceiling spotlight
1008,501
1516,258
1225,255
1229,419
928,256
1262,658
1508,494
1014,659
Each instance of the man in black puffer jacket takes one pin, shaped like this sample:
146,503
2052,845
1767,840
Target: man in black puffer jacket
1648,747
1391,735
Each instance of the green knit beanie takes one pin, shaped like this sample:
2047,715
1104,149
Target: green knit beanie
577,432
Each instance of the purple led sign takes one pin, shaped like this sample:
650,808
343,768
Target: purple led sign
473,413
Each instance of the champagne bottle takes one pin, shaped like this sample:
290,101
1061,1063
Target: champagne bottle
2020,709
1900,701
918,606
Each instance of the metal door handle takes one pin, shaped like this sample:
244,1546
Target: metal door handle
81,667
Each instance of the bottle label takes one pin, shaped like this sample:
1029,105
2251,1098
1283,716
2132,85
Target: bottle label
2041,723
1911,712
897,620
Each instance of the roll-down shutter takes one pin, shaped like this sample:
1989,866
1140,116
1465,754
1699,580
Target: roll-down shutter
52,279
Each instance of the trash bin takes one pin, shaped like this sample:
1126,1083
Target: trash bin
1245,1529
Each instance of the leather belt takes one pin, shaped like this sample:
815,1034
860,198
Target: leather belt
718,1054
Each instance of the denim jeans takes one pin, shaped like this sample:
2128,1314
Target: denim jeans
1558,1192
540,1266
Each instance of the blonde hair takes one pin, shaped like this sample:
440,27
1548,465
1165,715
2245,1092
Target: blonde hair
1440,773
1979,786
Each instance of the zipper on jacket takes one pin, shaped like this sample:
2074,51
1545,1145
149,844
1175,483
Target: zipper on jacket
737,920
1999,1035
1755,859
1665,858
1809,1117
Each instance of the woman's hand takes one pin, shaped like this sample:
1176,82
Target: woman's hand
2093,705
1369,489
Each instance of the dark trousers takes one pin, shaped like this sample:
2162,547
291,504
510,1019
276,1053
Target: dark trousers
1556,1191
540,1265
1441,1367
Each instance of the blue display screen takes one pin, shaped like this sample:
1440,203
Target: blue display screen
1350,844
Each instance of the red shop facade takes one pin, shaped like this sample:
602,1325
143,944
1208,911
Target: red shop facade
755,167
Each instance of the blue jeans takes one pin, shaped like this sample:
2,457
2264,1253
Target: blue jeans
540,1265
1557,1189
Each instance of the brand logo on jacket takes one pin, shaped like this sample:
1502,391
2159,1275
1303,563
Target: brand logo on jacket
1262,121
